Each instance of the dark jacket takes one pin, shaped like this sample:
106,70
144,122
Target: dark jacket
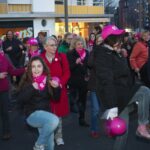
92,77
6,66
78,72
16,53
29,99
113,79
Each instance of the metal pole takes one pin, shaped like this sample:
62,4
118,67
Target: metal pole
66,14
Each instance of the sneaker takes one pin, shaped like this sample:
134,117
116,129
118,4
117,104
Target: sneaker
60,141
142,132
94,134
38,147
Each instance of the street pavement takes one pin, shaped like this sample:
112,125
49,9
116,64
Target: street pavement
75,137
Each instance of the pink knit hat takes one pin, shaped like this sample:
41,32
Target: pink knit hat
111,30
33,41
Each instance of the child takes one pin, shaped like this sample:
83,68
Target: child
6,68
35,90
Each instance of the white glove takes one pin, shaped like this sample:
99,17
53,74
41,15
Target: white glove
110,113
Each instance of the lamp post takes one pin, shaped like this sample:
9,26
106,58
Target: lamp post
66,14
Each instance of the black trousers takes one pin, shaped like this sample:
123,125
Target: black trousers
81,88
4,101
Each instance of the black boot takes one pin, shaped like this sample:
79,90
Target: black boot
83,123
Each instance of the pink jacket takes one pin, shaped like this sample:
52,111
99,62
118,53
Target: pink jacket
6,66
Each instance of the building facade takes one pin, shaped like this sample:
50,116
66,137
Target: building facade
134,14
32,16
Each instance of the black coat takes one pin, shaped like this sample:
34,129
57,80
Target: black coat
16,53
29,99
114,84
78,72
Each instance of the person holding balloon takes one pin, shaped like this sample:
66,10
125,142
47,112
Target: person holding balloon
114,82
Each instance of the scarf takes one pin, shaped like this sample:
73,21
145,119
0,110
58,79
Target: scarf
82,53
91,42
41,81
1,54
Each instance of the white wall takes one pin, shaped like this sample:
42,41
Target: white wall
43,6
49,28
19,1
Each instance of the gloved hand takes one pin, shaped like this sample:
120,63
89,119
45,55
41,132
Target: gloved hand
110,113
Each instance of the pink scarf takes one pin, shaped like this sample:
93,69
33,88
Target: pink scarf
34,53
91,43
82,53
41,81
1,54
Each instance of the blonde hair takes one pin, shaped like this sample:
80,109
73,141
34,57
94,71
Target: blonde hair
75,40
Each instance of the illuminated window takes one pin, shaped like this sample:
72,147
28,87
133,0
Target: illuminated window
98,2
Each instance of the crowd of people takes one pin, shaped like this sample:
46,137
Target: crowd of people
54,76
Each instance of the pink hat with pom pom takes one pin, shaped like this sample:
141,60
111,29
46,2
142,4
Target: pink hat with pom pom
33,41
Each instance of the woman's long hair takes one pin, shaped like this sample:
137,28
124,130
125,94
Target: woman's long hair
27,77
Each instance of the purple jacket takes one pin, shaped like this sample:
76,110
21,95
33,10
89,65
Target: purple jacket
6,66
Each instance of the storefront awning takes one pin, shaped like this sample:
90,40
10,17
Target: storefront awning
84,20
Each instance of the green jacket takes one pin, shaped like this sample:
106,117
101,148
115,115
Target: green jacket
64,47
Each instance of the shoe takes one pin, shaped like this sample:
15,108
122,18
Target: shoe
60,141
95,134
38,147
83,123
142,132
6,136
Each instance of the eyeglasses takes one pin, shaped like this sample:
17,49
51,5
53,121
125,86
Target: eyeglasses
53,45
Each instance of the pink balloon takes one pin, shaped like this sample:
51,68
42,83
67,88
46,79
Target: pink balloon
17,33
115,127
56,79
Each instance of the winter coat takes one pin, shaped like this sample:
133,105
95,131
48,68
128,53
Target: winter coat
16,53
63,48
114,84
79,72
139,55
6,66
92,76
30,99
60,68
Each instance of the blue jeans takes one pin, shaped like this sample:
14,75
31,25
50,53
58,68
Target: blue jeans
46,123
95,108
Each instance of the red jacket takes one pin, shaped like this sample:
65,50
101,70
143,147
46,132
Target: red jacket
60,68
6,66
139,55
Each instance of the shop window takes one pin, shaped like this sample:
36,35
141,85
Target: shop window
98,2
80,2
59,1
